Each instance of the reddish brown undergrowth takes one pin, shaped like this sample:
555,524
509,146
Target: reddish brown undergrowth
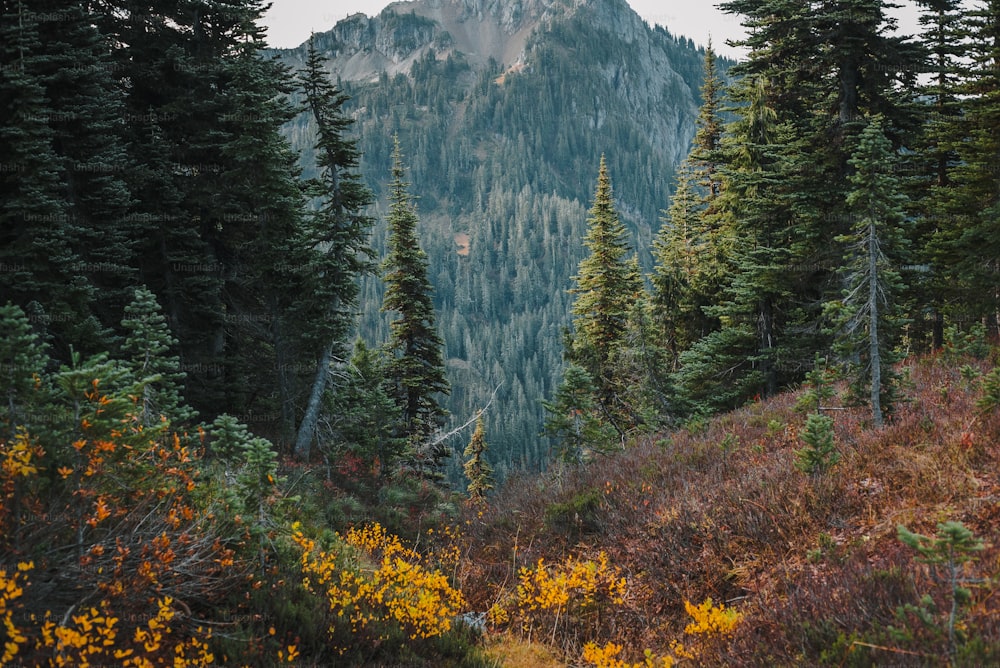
719,510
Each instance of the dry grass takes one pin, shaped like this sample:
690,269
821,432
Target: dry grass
813,563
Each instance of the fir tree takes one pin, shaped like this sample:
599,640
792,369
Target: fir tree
608,284
22,366
87,121
477,469
820,452
742,358
149,348
873,252
944,40
362,416
415,368
215,192
688,249
39,249
266,253
966,247
337,234
573,421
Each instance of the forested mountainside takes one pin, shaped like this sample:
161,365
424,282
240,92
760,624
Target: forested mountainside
502,111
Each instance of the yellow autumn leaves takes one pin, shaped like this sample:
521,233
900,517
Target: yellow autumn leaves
708,620
378,582
93,636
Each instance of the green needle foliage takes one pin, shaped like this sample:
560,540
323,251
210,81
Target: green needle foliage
820,452
949,550
868,312
415,369
149,348
608,285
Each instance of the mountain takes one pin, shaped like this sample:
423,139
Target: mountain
503,110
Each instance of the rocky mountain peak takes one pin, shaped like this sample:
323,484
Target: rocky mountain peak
361,47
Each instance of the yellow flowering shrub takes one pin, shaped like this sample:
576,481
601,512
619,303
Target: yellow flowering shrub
18,461
11,589
709,619
95,636
574,591
607,657
384,584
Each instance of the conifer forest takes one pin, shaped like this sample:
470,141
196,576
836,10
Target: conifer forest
499,333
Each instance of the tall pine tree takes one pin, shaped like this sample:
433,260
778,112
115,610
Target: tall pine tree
868,312
967,250
415,369
689,250
608,284
336,235
40,260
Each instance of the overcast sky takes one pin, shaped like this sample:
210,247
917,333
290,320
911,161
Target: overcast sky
290,21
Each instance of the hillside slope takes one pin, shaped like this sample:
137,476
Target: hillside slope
719,510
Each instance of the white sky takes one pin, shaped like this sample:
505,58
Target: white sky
289,22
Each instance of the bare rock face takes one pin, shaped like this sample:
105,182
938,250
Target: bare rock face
362,47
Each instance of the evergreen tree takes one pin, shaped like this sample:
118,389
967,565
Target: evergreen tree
477,469
640,363
266,252
966,247
22,366
688,249
415,369
39,256
87,122
813,74
608,284
362,417
766,247
337,234
943,39
868,310
149,348
573,421
214,185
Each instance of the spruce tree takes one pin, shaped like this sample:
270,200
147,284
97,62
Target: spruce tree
149,348
868,312
214,187
574,422
944,40
813,74
22,367
967,250
608,284
266,253
39,249
87,121
336,235
765,249
689,251
415,368
678,279
362,416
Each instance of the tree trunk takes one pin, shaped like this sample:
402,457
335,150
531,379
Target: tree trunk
876,360
767,347
303,441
